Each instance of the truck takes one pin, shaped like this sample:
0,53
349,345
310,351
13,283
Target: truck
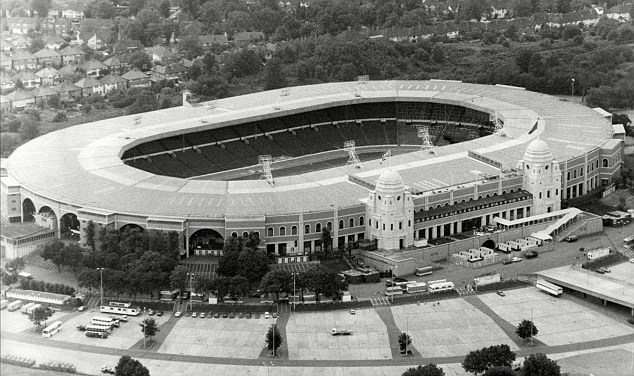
4,303
596,253
32,308
14,306
340,332
25,307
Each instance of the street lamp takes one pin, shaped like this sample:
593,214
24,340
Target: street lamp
572,91
101,288
294,297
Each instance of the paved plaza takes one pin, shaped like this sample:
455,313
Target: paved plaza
448,328
309,336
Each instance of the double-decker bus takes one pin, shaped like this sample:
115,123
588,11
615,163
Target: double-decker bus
105,321
120,308
425,270
52,329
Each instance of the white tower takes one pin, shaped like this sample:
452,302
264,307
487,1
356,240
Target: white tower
390,213
542,177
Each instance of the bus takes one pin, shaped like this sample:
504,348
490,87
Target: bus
413,287
50,330
425,270
96,334
98,328
394,290
14,306
120,308
168,295
106,321
548,287
26,307
440,287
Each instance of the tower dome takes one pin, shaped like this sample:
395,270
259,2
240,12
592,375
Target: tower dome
538,152
390,181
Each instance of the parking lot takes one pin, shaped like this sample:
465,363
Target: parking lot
217,337
449,327
309,336
16,322
560,321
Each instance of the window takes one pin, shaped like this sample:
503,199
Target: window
351,222
294,230
574,174
245,234
391,226
340,224
400,225
234,234
318,227
269,231
605,162
384,227
282,231
568,176
307,229
256,234
548,193
329,225
361,221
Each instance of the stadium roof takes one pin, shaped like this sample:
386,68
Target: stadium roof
81,165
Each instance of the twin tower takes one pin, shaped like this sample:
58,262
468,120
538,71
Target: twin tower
390,208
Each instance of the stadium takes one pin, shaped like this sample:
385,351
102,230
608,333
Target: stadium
282,164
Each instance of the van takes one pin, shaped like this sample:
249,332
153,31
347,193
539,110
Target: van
572,238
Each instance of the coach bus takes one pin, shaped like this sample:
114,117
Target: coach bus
52,329
549,287
120,308
413,287
440,287
105,321
425,270
98,328
394,290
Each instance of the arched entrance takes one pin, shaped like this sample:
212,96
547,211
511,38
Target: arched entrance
69,227
28,210
131,227
205,239
489,244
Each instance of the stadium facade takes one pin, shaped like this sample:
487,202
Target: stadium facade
500,152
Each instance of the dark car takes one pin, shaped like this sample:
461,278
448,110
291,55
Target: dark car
210,315
159,313
398,279
81,328
600,271
225,315
248,315
216,315
531,254
506,261
232,315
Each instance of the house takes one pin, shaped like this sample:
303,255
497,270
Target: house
22,25
93,68
68,91
43,94
24,60
6,62
53,26
6,83
5,103
47,57
117,65
20,42
173,72
126,46
89,86
95,42
21,98
49,76
28,78
72,55
68,70
162,55
73,14
137,78
245,38
5,44
208,41
620,12
53,42
113,82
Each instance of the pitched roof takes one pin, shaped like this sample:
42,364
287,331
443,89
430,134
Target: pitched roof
54,38
68,69
45,52
69,50
19,95
93,64
134,75
23,55
44,91
47,72
162,52
24,76
115,60
66,87
88,82
112,79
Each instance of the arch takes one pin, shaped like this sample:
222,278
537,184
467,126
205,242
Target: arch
361,219
131,227
605,162
206,239
245,234
306,229
489,244
69,226
28,210
234,234
269,231
282,231
351,222
294,230
256,234
46,210
329,226
318,227
340,224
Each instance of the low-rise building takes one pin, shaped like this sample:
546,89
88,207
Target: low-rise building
49,76
19,240
89,86
24,60
22,25
53,42
113,82
43,94
68,91
28,78
47,56
20,99
93,68
137,78
72,55
117,65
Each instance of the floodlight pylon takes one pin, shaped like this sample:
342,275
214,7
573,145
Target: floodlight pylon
497,122
265,163
423,134
350,147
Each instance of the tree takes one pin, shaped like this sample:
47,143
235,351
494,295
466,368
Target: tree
41,314
499,371
243,63
540,364
326,241
324,281
140,60
427,370
404,340
16,265
104,9
273,338
277,281
29,129
130,367
54,251
72,256
478,361
254,264
41,7
179,278
274,77
562,6
164,8
145,101
473,9
149,327
135,6
190,47
89,231
438,54
526,329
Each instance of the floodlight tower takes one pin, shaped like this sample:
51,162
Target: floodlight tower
350,147
423,134
497,122
265,162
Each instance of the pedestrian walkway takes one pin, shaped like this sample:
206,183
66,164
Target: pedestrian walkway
159,338
282,351
380,301
393,332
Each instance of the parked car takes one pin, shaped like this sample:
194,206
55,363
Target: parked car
225,315
516,259
151,312
274,315
267,315
194,314
81,309
210,315
216,315
187,314
81,328
600,270
107,369
159,313
506,261
572,238
352,312
398,279
241,315
178,314
249,315
500,292
531,254
232,315
202,315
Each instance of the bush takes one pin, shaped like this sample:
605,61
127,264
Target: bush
18,361
59,367
34,113
59,117
12,125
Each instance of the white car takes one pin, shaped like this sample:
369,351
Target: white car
194,314
516,259
178,314
267,315
81,309
352,312
632,260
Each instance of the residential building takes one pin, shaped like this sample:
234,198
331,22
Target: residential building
208,41
49,76
162,55
113,82
173,72
68,70
22,25
6,62
245,38
28,78
56,26
47,57
43,94
93,68
23,60
6,83
21,98
117,65
137,78
89,86
68,91
72,55
53,42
